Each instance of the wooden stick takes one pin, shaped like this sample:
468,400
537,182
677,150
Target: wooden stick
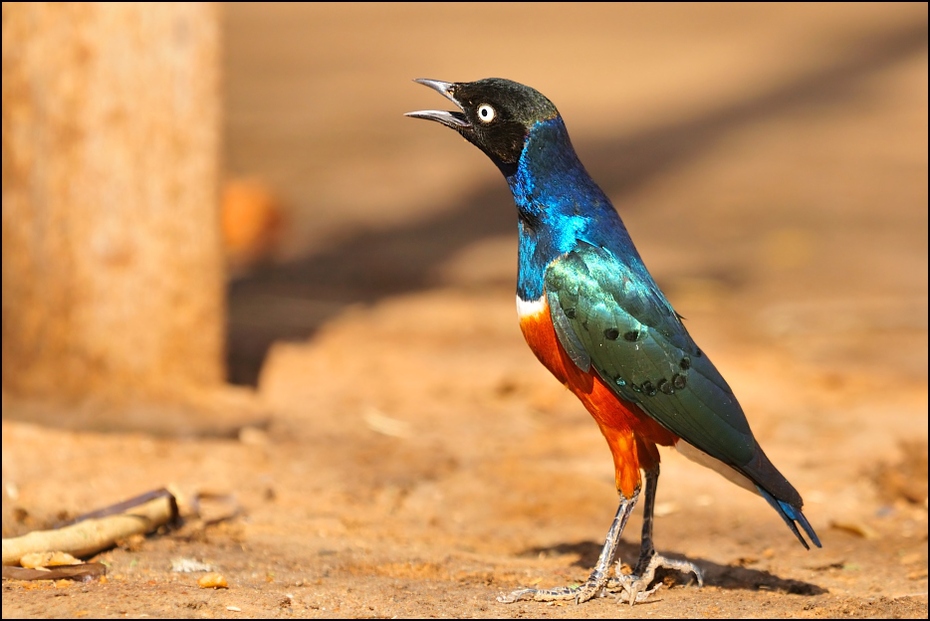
92,535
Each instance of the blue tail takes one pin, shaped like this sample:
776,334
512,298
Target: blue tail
791,515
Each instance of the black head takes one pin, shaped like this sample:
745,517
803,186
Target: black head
494,114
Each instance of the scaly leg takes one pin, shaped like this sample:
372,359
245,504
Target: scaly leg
635,587
596,583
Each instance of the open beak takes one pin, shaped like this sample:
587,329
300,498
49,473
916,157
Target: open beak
455,119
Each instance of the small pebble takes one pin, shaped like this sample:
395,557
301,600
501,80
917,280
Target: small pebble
212,580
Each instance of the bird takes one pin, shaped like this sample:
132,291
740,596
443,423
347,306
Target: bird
596,319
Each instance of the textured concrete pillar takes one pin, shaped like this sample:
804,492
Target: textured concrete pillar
112,264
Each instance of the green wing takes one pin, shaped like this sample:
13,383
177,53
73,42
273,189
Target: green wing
629,333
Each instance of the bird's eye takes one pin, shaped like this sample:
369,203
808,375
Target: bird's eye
486,113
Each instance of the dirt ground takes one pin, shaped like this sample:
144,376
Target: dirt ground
771,165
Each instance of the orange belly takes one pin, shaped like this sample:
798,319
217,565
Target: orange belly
631,435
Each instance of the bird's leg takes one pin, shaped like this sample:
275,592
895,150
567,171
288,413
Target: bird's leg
594,586
635,587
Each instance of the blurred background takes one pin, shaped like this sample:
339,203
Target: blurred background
217,218
751,150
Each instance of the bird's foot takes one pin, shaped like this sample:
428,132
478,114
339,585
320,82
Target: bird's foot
594,587
635,588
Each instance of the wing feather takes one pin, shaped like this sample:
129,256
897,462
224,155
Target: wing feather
632,337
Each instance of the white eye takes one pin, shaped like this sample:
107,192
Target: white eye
486,113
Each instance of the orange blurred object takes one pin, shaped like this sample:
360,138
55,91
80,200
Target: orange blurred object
252,221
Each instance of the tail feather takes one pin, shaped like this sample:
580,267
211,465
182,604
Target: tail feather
792,515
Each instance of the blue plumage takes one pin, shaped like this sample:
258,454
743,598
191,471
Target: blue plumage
559,204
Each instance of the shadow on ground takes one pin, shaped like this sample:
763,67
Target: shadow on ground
723,576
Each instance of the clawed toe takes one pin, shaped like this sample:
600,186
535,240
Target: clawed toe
579,594
634,588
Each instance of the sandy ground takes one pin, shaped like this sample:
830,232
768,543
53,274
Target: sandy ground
771,164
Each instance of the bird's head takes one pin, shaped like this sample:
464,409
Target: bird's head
494,114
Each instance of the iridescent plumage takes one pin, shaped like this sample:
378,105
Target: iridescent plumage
594,316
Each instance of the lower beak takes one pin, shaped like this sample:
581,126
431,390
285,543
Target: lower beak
455,119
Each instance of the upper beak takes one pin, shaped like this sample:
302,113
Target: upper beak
455,119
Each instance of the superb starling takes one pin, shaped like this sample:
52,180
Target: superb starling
594,316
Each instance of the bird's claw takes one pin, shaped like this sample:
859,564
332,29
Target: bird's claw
634,588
